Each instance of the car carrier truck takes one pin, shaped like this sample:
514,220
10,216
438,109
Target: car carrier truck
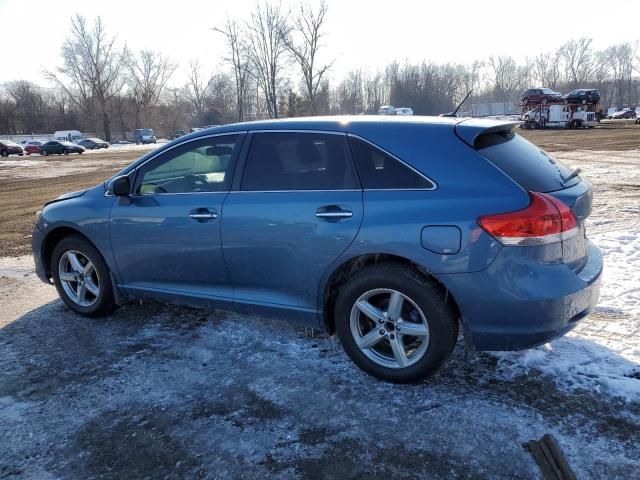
559,116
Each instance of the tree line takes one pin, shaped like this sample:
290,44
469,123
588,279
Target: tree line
277,64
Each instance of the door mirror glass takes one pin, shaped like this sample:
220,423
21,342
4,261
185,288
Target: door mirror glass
120,186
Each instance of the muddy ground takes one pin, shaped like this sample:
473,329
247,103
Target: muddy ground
156,391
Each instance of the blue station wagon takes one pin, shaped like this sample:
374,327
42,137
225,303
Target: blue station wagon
395,233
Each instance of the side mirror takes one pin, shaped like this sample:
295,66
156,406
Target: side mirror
119,186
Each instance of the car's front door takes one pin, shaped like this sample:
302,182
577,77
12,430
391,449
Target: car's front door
297,207
166,235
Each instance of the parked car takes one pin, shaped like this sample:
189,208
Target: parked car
33,146
387,110
177,134
540,95
93,143
624,114
7,147
404,111
343,224
60,148
583,95
144,136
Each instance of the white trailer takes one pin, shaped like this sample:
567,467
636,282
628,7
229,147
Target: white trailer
559,116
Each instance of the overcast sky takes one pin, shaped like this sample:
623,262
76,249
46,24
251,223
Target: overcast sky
360,33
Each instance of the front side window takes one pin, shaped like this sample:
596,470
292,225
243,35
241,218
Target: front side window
198,166
298,161
378,170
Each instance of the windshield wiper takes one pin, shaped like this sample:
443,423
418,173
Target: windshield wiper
573,174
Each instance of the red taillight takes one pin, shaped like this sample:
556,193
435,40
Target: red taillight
546,220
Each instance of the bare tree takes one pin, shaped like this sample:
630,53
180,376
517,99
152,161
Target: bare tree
547,69
149,73
92,67
30,106
578,60
239,61
267,30
505,76
197,87
303,43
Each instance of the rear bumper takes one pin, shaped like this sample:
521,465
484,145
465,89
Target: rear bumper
519,304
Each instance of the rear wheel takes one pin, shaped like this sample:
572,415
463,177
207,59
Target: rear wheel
65,151
81,277
4,153
395,324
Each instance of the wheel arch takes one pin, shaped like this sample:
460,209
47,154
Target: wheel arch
53,238
347,269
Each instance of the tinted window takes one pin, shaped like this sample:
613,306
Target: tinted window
298,161
198,166
378,170
530,166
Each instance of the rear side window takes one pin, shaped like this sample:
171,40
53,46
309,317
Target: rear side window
529,166
378,170
298,161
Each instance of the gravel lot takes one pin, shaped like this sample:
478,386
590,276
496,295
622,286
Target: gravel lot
157,391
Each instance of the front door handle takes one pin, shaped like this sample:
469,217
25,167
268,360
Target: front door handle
340,214
333,212
203,214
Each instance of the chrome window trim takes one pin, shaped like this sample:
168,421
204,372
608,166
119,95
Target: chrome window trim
290,130
435,185
296,191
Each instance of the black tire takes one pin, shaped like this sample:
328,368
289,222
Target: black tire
4,153
95,147
441,316
44,152
105,302
80,152
65,151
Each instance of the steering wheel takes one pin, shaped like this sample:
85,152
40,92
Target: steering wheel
195,182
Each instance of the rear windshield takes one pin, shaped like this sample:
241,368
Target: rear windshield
529,166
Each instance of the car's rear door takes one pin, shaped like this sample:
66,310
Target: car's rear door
297,207
166,235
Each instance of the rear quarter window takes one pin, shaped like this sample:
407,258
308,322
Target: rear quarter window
528,165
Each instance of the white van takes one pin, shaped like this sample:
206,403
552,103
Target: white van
72,136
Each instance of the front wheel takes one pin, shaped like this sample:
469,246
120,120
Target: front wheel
4,153
395,324
81,277
44,152
65,151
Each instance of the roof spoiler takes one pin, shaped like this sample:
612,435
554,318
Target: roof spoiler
470,130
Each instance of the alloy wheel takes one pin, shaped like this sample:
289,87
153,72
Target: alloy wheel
389,328
79,278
